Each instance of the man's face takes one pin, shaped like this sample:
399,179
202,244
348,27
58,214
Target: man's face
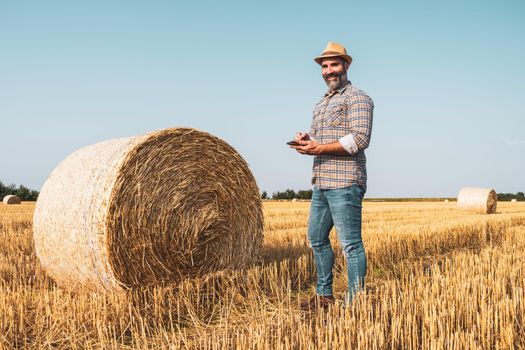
334,72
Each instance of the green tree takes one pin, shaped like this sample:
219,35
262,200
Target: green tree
3,190
304,194
288,194
505,196
508,196
23,193
291,194
11,189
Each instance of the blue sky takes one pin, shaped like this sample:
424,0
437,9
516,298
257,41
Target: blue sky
446,78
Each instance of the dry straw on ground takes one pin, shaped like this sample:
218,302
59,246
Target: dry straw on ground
149,209
437,278
11,199
479,199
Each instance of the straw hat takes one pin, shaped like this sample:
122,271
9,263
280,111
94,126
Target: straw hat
334,50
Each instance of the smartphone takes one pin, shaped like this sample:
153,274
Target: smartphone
293,143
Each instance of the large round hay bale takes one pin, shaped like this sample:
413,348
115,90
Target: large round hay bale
149,209
478,199
11,199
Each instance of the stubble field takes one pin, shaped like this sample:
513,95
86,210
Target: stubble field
437,278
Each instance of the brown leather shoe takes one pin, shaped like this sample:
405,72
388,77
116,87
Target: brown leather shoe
317,302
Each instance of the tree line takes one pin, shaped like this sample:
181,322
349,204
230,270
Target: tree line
519,196
22,192
302,194
289,194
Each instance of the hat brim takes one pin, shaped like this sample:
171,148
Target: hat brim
347,58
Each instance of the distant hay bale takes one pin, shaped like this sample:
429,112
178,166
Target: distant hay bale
11,199
294,200
513,200
478,199
446,200
146,210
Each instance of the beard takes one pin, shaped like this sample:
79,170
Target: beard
340,79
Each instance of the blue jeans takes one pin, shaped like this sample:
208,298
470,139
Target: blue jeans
341,207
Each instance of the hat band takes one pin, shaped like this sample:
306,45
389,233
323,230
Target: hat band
333,53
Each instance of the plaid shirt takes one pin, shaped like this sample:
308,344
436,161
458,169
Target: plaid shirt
346,112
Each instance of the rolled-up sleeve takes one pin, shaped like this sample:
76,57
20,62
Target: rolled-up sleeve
360,115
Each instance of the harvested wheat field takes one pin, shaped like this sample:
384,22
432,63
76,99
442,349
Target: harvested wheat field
438,278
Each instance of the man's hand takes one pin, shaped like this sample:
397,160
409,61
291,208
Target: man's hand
302,136
310,147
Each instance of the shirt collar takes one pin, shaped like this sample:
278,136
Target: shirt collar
341,89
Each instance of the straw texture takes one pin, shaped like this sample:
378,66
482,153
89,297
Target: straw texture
11,199
146,210
479,199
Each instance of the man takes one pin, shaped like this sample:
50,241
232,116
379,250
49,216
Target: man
339,134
